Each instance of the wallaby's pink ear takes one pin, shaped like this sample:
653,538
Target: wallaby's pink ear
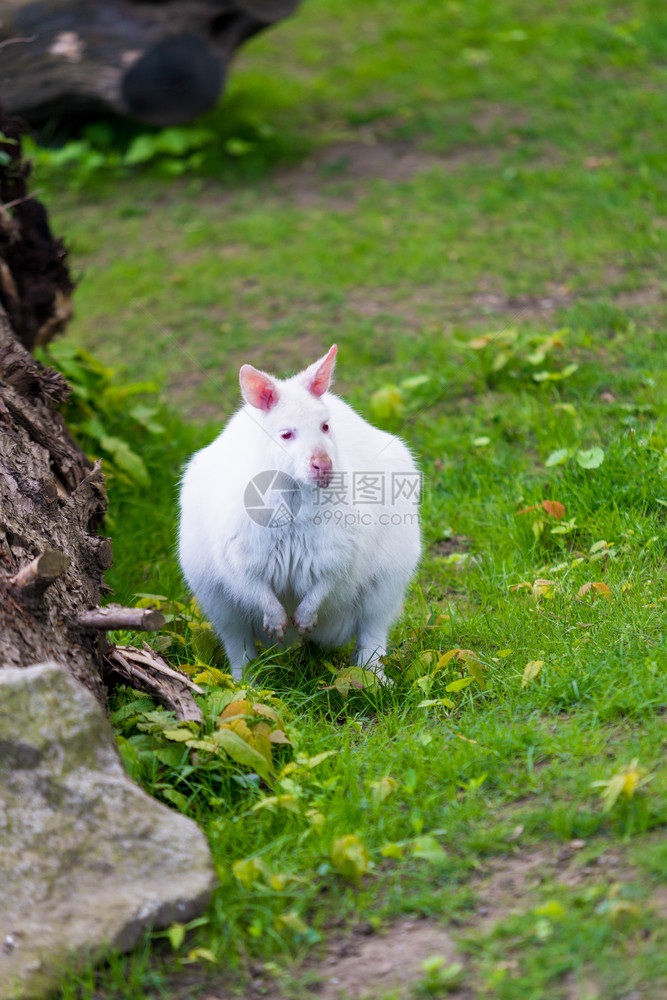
317,377
258,388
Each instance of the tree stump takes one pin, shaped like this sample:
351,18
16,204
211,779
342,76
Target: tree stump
162,62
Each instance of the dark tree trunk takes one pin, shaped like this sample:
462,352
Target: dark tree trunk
51,501
52,497
163,63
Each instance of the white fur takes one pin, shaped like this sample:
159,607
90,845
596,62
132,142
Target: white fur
335,571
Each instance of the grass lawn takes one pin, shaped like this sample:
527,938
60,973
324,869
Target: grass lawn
474,193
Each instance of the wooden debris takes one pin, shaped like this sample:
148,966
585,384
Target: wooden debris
145,670
41,572
114,616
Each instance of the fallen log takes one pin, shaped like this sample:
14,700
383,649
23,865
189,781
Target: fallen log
162,63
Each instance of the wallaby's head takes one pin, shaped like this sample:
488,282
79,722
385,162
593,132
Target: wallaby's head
295,417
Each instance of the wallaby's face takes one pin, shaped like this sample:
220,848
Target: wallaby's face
296,418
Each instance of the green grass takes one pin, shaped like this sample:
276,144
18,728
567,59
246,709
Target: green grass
539,133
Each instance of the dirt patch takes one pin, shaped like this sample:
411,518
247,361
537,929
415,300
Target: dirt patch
368,159
383,963
511,881
640,298
448,546
361,966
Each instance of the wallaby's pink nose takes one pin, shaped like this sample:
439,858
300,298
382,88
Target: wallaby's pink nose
321,469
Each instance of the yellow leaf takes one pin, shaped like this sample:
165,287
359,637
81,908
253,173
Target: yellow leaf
242,729
311,762
350,857
293,922
392,850
237,709
530,672
552,909
262,742
624,782
200,955
421,664
317,819
248,870
382,789
213,676
543,588
602,589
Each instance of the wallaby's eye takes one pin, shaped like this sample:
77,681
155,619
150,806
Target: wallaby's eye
325,427
286,435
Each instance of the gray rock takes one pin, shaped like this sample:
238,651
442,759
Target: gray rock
87,859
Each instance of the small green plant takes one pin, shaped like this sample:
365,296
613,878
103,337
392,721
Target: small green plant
103,414
439,977
520,354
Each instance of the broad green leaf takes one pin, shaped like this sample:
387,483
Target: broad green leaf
392,850
179,800
428,848
415,382
178,735
356,677
557,457
591,458
459,685
207,745
239,147
176,935
142,149
242,752
173,755
274,802
387,403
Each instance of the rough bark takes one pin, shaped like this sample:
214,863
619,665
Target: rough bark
35,284
160,62
52,497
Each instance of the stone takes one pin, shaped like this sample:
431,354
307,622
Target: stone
88,860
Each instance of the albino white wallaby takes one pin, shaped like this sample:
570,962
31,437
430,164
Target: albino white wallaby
300,519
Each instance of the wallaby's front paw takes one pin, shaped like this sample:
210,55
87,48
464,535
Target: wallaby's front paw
304,619
275,624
